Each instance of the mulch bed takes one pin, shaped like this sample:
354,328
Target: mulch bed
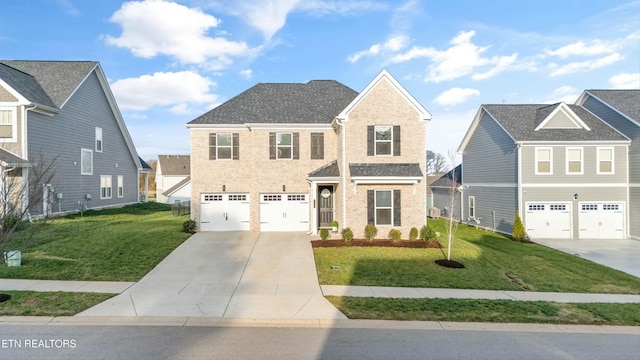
419,244
450,264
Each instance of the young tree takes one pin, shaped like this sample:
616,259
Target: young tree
452,217
436,163
24,190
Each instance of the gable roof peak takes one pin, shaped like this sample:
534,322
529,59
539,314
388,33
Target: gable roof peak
558,116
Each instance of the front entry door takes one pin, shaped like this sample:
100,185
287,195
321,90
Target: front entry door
325,208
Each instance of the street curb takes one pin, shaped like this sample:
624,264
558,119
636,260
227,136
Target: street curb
313,323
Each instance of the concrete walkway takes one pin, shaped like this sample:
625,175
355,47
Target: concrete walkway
229,274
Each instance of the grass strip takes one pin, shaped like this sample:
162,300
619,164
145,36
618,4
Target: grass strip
497,311
32,303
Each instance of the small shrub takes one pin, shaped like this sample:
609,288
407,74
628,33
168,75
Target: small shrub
324,234
518,233
427,233
189,226
347,235
395,235
413,234
334,224
11,221
370,232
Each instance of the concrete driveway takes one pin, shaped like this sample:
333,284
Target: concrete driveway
232,275
619,254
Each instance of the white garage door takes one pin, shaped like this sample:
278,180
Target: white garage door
224,212
601,220
548,220
284,212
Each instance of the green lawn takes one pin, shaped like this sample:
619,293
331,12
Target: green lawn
492,262
110,245
31,303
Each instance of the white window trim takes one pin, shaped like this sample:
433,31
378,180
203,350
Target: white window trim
376,207
375,141
550,160
567,160
110,187
284,146
100,148
224,147
613,160
120,188
14,124
472,199
82,152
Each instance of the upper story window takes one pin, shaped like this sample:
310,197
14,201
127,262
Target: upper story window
544,161
284,146
8,123
86,162
574,161
605,160
224,146
383,140
98,139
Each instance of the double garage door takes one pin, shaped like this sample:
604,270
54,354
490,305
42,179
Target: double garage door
597,220
232,212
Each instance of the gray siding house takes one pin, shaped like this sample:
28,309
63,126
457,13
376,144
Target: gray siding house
62,114
446,194
621,110
562,168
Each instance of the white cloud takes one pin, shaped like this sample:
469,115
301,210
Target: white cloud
153,27
583,66
178,89
567,94
69,8
625,81
318,7
393,44
461,59
455,96
595,47
247,74
268,16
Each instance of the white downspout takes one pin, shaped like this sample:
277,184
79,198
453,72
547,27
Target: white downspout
520,200
343,174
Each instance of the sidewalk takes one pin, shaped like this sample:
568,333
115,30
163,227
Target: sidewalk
339,290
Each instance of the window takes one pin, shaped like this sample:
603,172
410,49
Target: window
7,124
605,161
225,146
284,145
544,164
472,207
120,186
98,139
317,146
383,140
105,186
86,162
384,207
574,161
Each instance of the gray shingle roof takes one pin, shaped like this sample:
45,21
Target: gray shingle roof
385,169
520,122
177,186
175,165
59,79
446,179
25,84
316,102
625,101
329,170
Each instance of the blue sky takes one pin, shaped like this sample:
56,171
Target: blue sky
170,61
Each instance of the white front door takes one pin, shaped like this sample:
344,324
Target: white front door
284,212
548,220
601,220
224,212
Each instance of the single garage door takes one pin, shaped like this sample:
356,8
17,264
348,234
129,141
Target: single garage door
548,220
224,212
602,220
284,212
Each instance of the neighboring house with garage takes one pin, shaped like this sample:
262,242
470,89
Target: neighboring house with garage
446,194
173,178
297,156
562,168
63,113
621,110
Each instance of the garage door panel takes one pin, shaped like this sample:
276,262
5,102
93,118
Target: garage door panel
602,220
548,220
224,212
284,212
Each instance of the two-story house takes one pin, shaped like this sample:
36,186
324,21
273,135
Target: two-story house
62,115
561,167
621,110
295,157
173,178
